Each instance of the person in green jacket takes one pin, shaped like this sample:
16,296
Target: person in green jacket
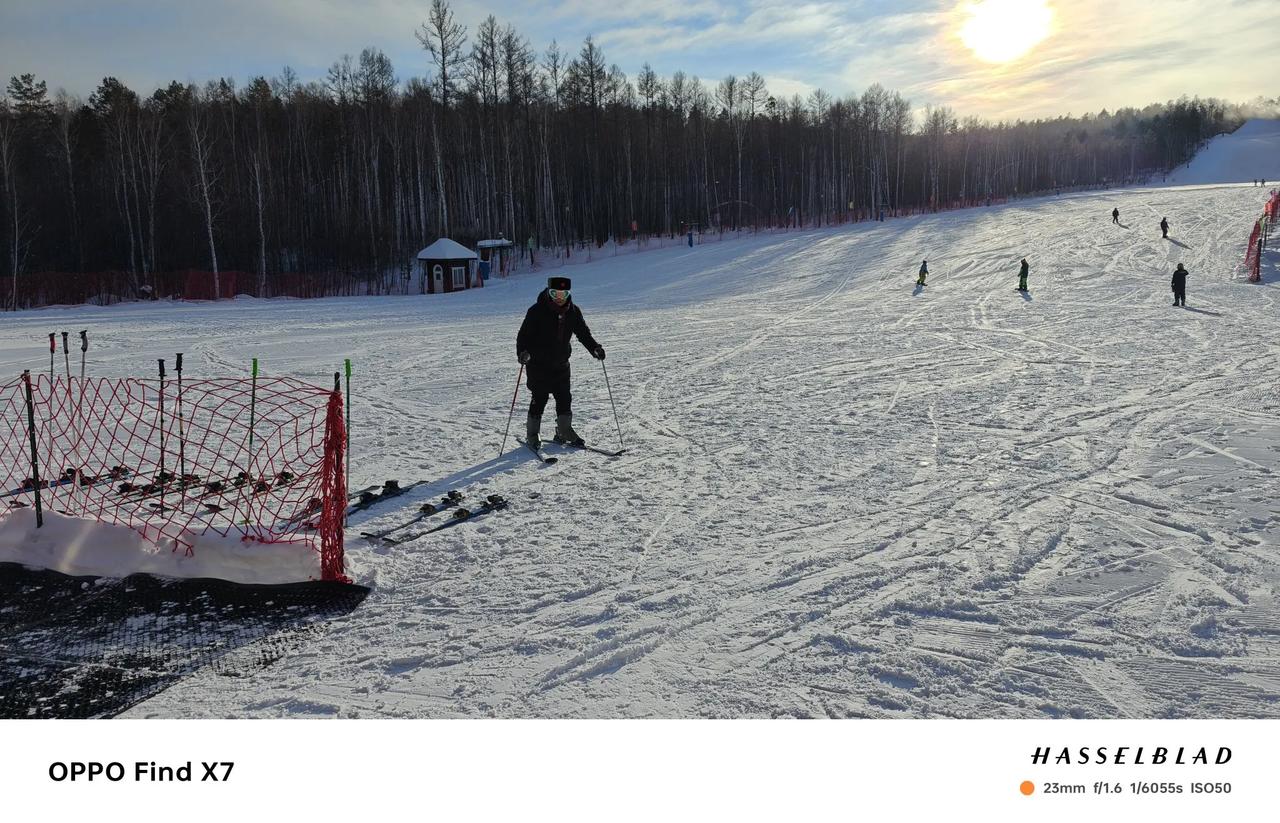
1022,275
924,269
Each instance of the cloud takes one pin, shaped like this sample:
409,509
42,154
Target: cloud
1103,53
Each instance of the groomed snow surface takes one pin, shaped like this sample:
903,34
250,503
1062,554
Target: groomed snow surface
842,495
1247,154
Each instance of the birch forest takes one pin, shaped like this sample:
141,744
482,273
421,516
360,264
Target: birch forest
488,136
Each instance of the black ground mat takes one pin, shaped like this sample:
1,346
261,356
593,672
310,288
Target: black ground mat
93,647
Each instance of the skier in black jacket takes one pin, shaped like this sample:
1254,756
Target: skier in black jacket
1164,227
1179,284
1022,275
543,347
1115,215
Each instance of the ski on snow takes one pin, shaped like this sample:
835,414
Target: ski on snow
68,477
579,446
537,453
390,489
493,503
584,447
451,499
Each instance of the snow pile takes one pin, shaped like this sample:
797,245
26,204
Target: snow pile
1250,152
84,547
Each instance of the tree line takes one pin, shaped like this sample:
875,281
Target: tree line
357,171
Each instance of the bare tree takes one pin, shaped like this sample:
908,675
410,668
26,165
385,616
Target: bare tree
203,145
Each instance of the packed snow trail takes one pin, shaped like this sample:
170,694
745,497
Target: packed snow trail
842,495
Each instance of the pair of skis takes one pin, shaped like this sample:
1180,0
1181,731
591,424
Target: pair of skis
367,498
451,499
579,446
492,503
69,477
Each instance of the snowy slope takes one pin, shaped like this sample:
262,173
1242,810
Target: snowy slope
1250,152
842,497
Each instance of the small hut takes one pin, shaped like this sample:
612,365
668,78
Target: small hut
447,266
495,256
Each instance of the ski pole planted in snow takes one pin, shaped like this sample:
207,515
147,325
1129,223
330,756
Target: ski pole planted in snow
84,347
511,413
35,460
615,408
253,404
182,436
66,356
53,347
160,478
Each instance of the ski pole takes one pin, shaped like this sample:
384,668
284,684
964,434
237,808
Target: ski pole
347,401
182,437
253,404
84,347
511,413
66,356
53,346
35,460
160,478
615,408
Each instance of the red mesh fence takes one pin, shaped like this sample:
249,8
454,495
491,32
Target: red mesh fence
227,456
1259,237
1252,257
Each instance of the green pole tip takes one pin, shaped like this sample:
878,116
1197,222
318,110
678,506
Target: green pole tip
347,363
255,367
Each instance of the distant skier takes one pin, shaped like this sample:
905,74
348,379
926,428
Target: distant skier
1179,284
1115,215
924,270
1164,227
543,347
1022,275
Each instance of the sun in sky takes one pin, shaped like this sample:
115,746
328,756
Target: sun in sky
1000,31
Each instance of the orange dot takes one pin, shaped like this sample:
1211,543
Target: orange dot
1027,787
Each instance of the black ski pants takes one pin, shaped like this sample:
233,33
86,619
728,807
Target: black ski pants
1180,295
544,382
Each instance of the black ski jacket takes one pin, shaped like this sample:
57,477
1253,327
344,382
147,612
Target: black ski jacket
1179,280
545,333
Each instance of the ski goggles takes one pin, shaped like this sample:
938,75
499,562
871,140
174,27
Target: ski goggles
558,295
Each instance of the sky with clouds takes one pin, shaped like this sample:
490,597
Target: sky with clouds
1099,54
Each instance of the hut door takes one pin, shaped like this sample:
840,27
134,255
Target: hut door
437,279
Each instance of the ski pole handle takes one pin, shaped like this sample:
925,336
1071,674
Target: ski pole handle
177,365
337,382
161,362
53,343
64,341
84,340
255,367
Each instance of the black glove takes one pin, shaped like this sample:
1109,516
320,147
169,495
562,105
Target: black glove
598,352
524,357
